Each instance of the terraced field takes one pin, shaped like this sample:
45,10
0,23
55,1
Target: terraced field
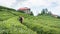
11,25
42,24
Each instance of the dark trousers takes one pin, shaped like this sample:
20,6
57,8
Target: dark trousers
21,21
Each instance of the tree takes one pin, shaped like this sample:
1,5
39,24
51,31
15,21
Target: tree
31,13
49,13
44,11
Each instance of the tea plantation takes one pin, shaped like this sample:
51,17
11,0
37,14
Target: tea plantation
42,24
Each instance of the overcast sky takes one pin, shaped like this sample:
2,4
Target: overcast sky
35,5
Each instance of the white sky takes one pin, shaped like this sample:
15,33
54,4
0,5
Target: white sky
35,5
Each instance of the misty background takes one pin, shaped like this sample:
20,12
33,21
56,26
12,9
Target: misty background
35,5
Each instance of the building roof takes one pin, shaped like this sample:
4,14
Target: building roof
24,8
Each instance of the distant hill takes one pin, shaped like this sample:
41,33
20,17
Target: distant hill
2,7
42,24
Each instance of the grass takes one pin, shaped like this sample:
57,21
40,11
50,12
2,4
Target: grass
13,26
42,24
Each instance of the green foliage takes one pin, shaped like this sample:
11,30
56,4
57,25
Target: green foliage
44,11
20,11
49,13
31,13
43,24
12,26
9,23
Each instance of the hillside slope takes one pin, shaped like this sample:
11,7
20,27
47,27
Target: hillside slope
9,23
43,24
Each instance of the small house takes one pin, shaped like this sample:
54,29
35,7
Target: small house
25,10
54,15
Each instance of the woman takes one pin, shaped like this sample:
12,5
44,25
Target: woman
21,19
